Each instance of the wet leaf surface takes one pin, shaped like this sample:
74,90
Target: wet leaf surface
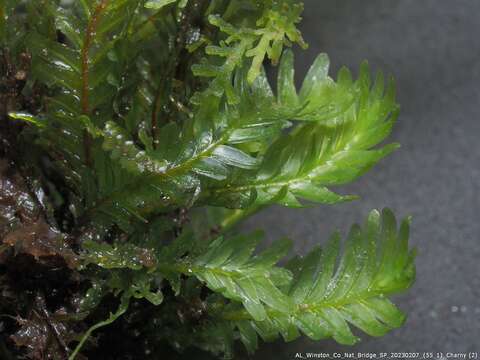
45,335
22,224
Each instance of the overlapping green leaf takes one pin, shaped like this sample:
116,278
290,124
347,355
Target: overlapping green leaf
375,264
86,68
118,256
220,141
229,267
274,29
351,118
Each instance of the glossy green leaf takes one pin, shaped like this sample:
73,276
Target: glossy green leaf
333,292
318,154
118,256
158,4
229,267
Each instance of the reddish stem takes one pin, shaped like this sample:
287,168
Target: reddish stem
87,44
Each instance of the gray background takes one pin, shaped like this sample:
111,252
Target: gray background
432,48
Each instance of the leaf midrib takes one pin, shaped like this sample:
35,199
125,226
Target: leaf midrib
308,308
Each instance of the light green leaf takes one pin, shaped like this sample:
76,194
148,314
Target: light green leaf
302,163
118,256
376,263
227,266
158,4
235,157
26,117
